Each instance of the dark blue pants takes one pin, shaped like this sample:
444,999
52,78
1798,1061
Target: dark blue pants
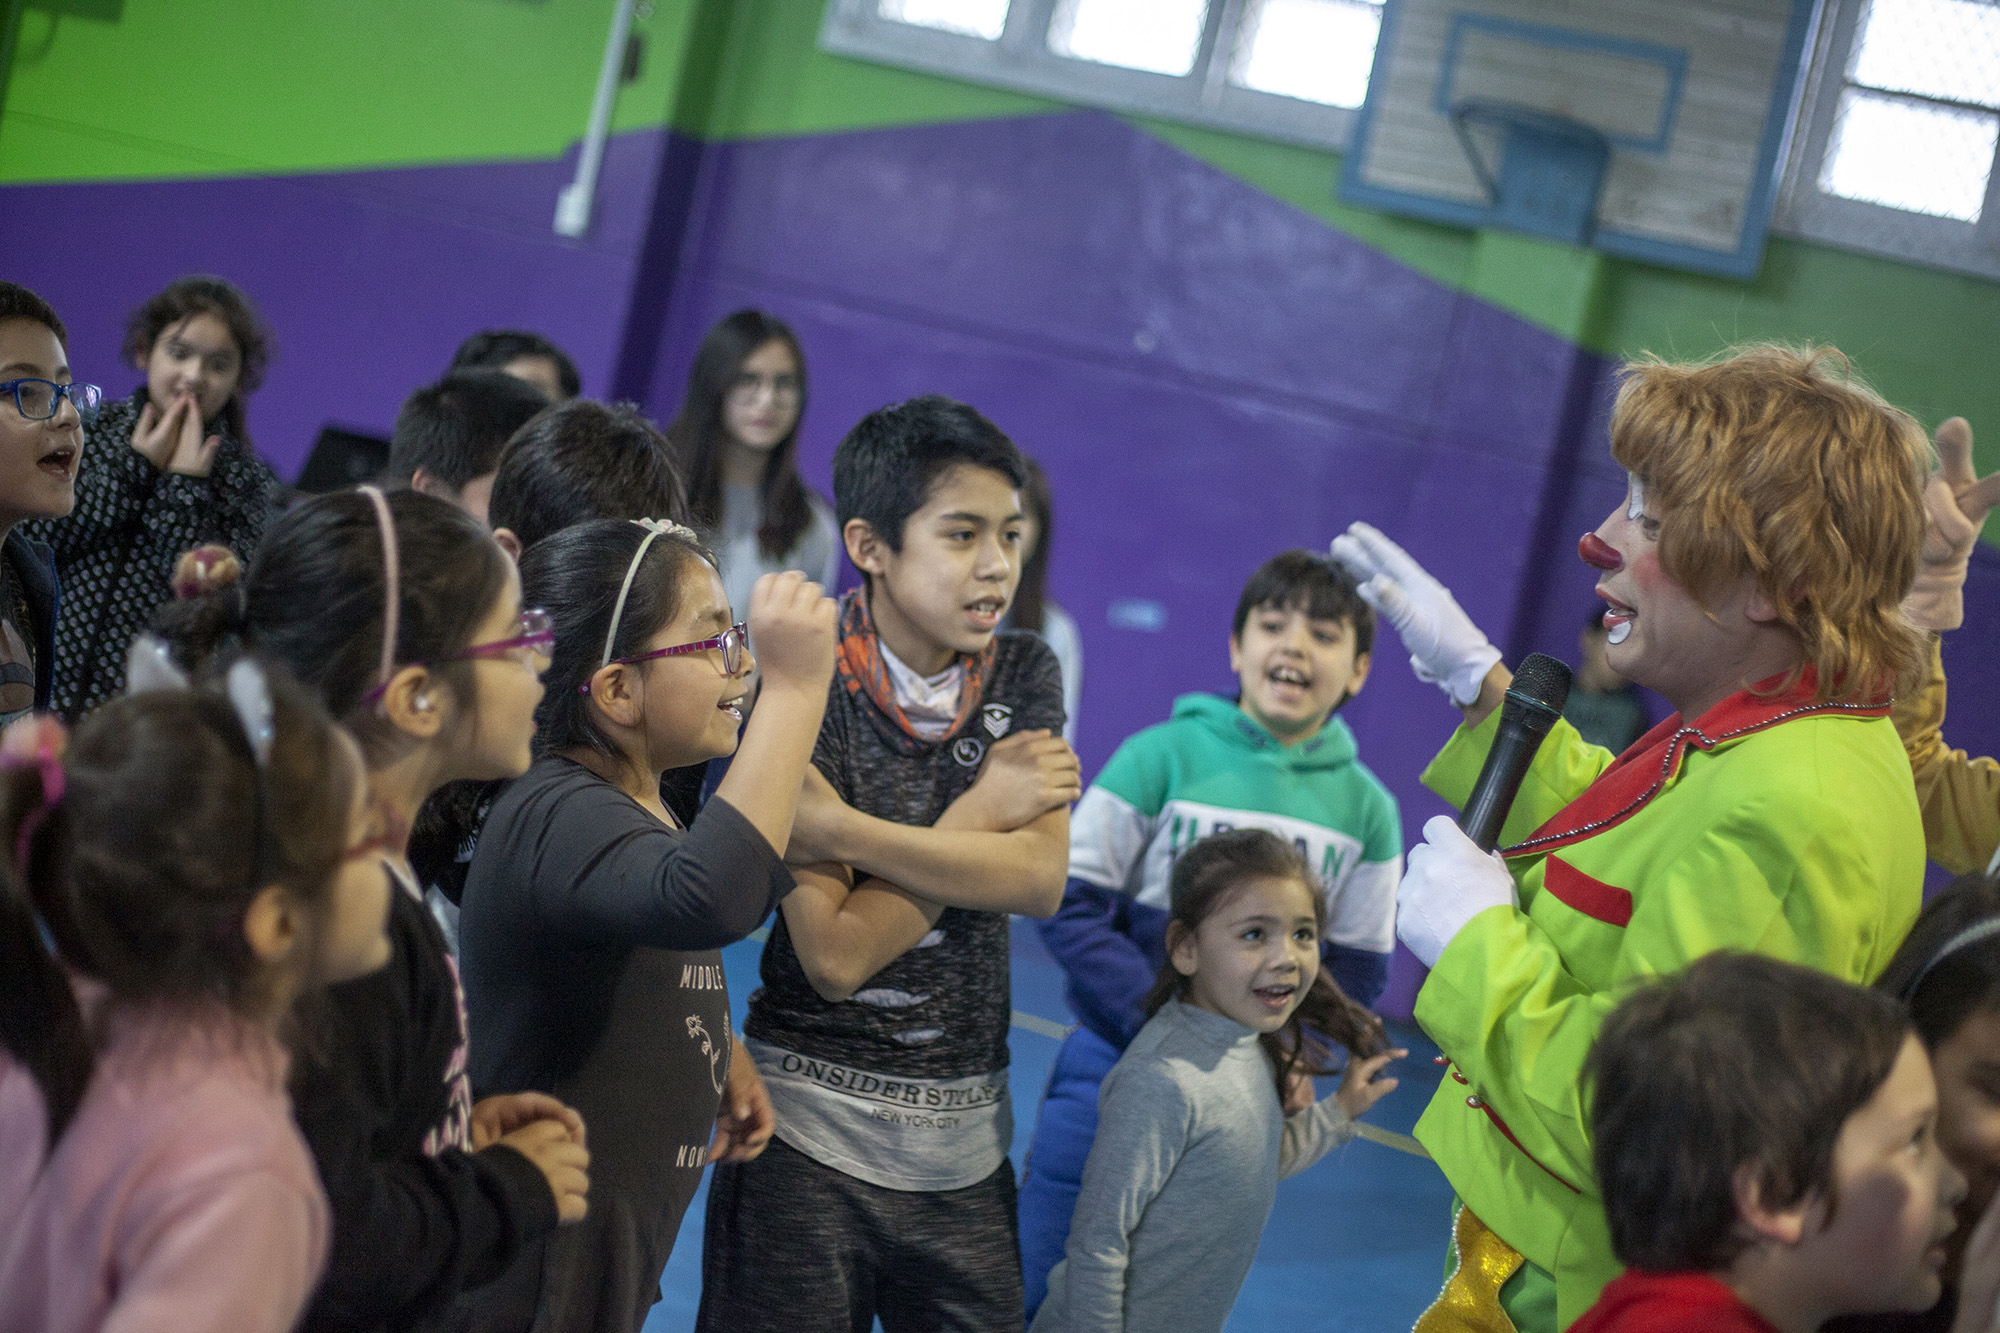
1063,1134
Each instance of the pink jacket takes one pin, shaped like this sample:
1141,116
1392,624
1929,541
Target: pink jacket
179,1197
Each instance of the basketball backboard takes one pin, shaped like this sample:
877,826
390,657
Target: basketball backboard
1652,129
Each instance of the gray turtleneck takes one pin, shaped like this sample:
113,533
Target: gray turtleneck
1191,1143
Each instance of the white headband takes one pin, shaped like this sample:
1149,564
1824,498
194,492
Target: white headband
655,527
392,594
1972,934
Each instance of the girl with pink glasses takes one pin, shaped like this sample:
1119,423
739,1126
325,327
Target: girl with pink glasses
406,617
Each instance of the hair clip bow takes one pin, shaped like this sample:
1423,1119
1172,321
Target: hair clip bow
655,528
666,527
37,741
250,695
150,668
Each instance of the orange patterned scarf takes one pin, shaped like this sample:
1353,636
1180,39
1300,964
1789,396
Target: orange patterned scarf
863,672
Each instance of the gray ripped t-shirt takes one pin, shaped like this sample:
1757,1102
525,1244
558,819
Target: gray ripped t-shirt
905,1085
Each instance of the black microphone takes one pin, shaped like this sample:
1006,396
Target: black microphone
1534,702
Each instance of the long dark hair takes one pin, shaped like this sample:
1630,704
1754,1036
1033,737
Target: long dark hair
1031,596
313,598
205,294
699,436
142,870
575,575
1205,878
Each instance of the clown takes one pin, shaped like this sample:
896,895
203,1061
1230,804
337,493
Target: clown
1752,575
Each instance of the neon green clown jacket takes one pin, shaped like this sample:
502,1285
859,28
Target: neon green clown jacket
1772,825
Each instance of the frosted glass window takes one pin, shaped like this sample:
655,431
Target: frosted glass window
974,18
1161,36
1946,49
1909,154
1315,50
1291,70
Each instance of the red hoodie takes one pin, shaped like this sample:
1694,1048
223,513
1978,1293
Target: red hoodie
1669,1303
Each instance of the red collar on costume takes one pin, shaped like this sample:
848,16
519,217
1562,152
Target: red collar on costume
1644,770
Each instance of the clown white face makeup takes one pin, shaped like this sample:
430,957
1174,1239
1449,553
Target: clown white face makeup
1635,497
1620,629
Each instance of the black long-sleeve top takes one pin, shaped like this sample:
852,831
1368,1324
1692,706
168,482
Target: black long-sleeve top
588,934
382,1098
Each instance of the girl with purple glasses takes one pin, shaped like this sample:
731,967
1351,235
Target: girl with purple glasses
592,918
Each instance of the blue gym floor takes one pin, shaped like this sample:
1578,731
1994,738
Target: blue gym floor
1355,1243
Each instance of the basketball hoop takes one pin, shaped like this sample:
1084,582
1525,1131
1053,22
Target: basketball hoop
1549,173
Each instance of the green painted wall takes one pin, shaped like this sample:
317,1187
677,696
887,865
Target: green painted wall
305,85
232,87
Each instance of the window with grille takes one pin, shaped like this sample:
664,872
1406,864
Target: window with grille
1285,69
1895,146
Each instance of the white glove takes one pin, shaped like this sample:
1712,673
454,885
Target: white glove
1445,647
1448,882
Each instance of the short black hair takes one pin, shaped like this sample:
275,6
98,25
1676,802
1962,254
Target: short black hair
493,349
884,470
455,429
582,460
1738,1061
1300,578
17,302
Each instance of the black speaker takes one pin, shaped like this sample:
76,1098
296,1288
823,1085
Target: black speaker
341,458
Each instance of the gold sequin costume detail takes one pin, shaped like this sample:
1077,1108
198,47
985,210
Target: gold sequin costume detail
1470,1301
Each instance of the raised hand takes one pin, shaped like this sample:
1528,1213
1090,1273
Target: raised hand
1360,1089
1026,775
194,453
157,434
1445,647
792,624
1956,501
172,441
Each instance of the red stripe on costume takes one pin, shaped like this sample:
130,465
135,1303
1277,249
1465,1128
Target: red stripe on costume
1592,897
1501,1125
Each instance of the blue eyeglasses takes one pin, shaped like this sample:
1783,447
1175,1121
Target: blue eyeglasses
38,400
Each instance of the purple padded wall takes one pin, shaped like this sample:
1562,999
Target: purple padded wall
369,279
1208,374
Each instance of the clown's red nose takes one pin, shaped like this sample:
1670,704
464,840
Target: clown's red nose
1598,553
